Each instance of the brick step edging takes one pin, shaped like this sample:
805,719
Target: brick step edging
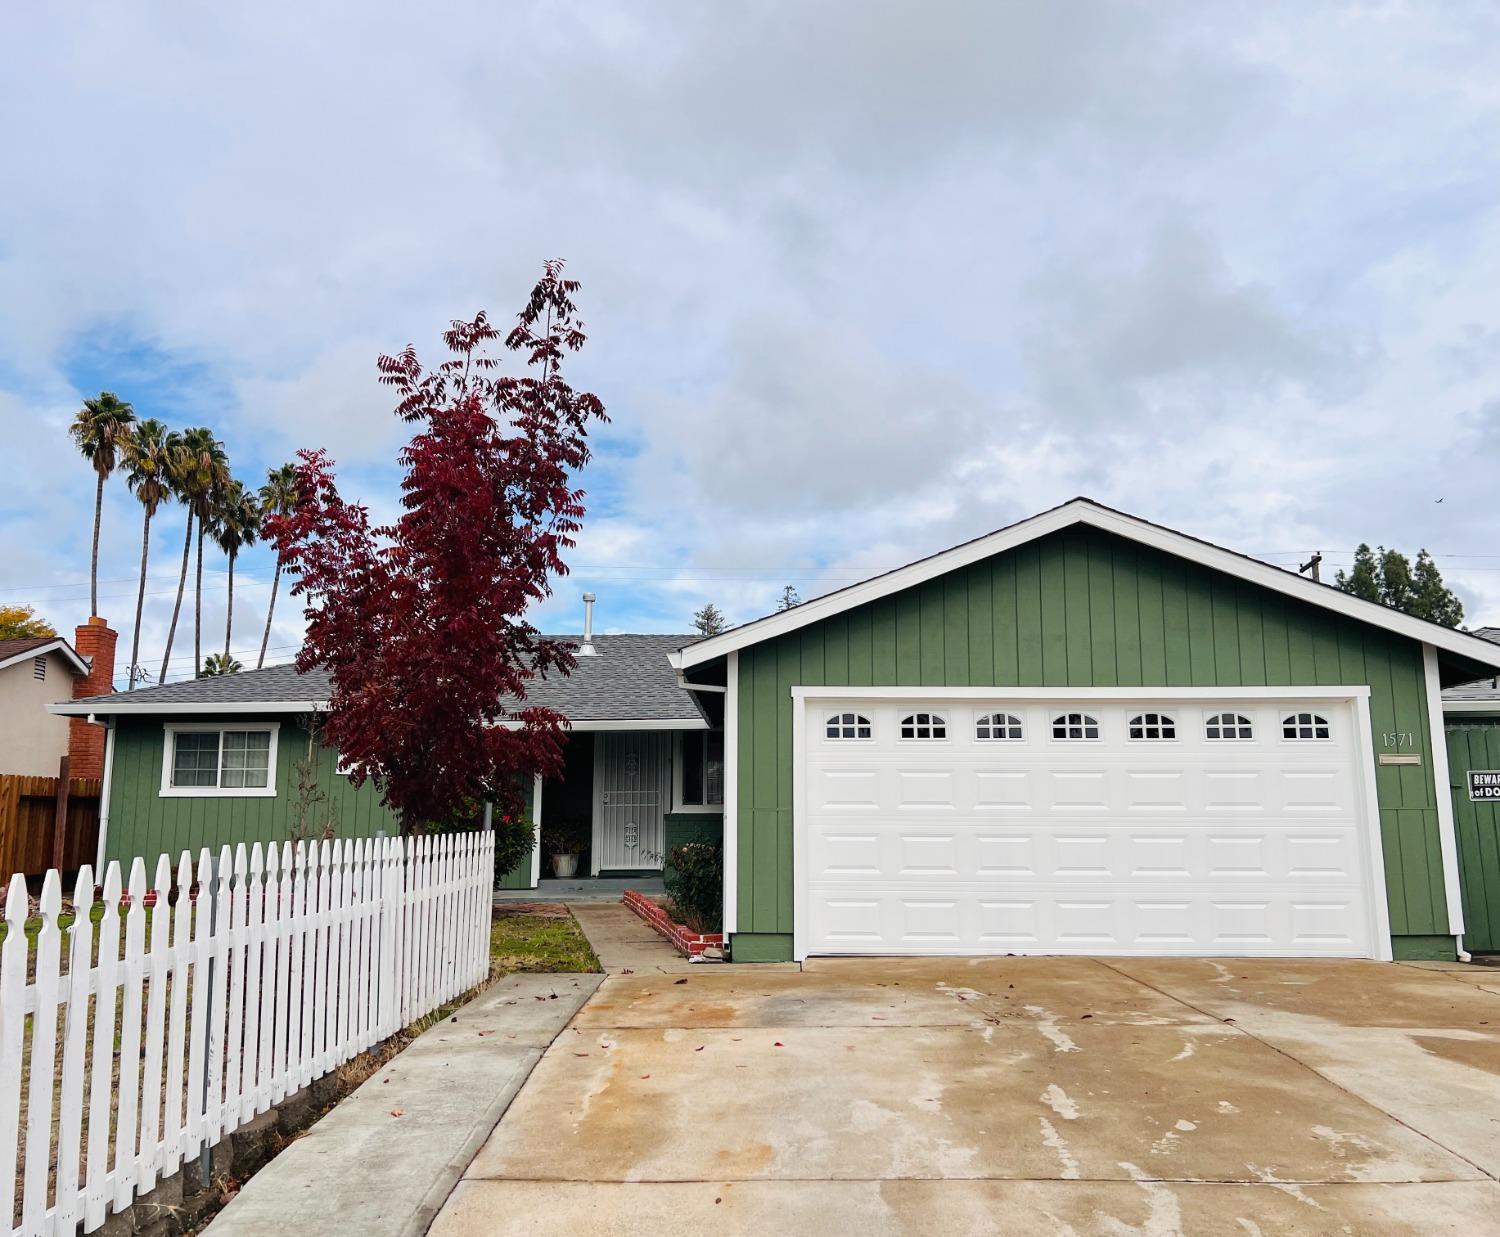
680,936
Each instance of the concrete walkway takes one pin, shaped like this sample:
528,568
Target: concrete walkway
363,1169
626,944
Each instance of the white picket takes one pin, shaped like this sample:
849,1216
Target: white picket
181,950
158,967
75,1042
43,1063
279,964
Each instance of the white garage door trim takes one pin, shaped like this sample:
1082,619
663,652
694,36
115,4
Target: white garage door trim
1357,697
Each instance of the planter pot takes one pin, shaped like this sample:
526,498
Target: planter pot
564,866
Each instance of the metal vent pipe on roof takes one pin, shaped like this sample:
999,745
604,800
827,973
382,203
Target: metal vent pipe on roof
587,649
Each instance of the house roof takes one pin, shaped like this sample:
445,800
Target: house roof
629,680
1476,652
1481,696
13,651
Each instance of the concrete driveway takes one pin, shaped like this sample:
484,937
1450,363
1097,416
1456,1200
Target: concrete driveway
1015,1095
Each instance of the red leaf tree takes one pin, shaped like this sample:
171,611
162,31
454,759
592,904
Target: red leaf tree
421,624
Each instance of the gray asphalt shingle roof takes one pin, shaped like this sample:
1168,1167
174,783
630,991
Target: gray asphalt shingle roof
629,679
1481,689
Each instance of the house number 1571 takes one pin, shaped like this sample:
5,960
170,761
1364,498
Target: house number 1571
1399,738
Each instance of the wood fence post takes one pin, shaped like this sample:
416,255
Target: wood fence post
60,818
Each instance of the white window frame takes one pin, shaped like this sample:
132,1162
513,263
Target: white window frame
1162,719
169,751
934,720
1216,716
860,719
679,765
1087,720
982,718
1318,719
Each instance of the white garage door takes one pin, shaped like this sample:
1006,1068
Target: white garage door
1152,826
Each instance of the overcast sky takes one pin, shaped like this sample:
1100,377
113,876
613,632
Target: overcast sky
862,279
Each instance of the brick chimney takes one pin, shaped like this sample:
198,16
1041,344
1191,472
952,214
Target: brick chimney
95,642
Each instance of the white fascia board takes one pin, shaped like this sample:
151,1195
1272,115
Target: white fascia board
1086,512
59,646
84,708
1447,828
1471,706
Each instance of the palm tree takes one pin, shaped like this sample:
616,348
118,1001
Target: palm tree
233,523
98,429
148,453
278,496
200,469
214,665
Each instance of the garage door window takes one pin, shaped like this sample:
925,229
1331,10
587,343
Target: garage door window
923,726
1153,726
848,726
1228,726
1075,726
992,726
1305,726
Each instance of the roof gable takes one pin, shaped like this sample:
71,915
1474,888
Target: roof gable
1087,513
12,652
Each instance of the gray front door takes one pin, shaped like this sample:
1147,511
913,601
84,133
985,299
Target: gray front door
632,780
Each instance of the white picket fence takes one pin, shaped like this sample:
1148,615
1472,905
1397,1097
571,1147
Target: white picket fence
262,972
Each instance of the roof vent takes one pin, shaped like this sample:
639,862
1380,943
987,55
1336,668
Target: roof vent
587,649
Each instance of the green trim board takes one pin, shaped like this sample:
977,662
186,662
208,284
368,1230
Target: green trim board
1081,608
144,822
1475,744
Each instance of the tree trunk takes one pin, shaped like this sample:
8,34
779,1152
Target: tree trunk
265,636
198,607
229,612
187,544
140,603
94,560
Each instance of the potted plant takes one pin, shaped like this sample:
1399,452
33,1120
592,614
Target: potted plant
564,841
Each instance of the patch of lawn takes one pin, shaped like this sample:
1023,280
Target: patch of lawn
533,942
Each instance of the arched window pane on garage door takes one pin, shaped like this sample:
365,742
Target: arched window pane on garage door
998,726
923,726
1305,726
848,726
1075,726
1152,726
1228,726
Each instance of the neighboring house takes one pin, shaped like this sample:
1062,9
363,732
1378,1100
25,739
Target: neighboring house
1089,734
214,761
1472,711
1084,733
35,673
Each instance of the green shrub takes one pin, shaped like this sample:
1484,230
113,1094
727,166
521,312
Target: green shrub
564,837
694,877
515,838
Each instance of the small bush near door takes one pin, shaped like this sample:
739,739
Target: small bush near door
515,837
694,878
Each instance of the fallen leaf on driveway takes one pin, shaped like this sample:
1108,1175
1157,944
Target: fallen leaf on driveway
699,1048
486,1033
580,1054
680,981
645,1075
778,1044
398,1112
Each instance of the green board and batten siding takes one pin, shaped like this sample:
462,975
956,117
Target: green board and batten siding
142,822
1475,744
1082,609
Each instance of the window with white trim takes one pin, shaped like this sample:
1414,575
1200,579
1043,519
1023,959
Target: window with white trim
1152,726
924,726
702,769
214,760
1228,726
848,726
1001,726
1075,726
1305,726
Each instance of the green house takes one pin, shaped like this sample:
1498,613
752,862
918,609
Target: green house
231,759
1089,734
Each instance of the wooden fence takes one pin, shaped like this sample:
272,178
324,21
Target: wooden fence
226,990
29,821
